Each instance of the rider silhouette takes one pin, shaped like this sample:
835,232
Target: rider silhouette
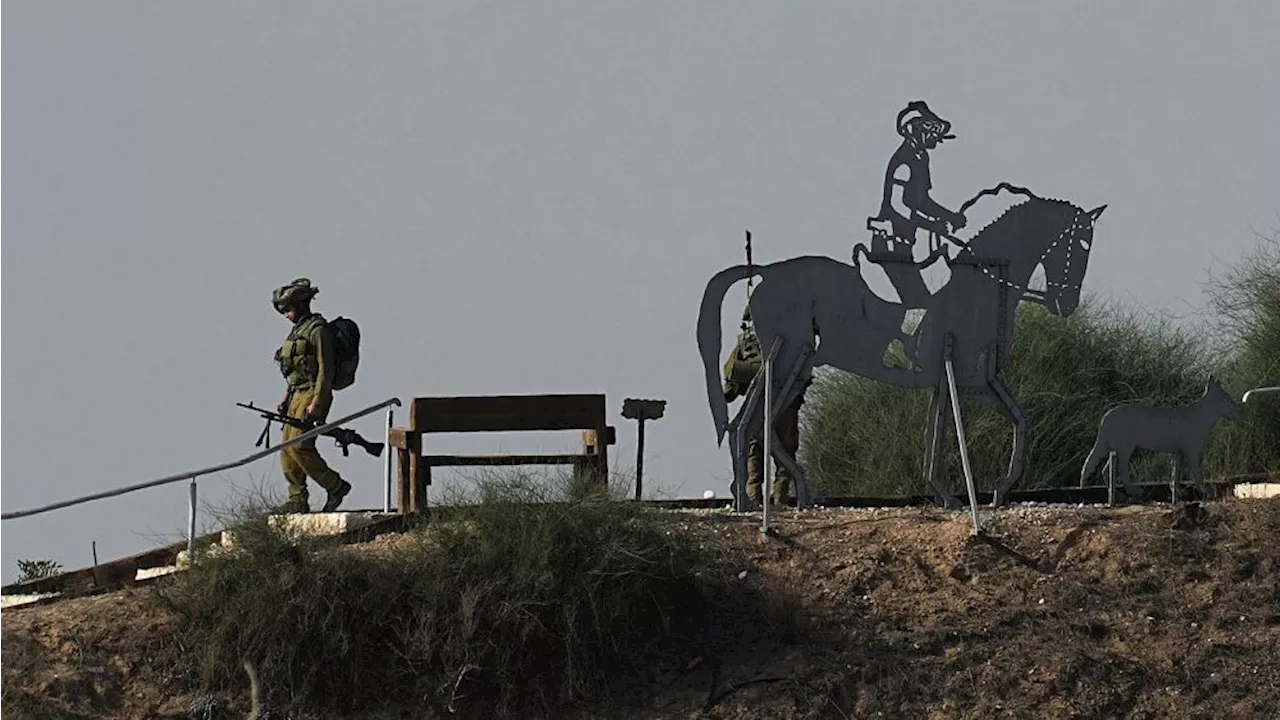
906,207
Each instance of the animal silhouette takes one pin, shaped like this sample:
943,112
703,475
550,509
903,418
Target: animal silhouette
1182,431
825,314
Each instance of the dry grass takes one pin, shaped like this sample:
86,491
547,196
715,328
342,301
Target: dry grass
1139,612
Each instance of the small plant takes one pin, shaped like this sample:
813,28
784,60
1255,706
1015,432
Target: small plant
862,437
523,595
1246,329
36,569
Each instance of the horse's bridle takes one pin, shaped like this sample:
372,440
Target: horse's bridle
1033,295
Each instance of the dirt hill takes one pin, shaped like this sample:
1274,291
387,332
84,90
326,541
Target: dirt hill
1062,613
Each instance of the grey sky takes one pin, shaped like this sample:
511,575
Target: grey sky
530,197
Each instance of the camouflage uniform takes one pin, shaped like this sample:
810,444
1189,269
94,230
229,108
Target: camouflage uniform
743,364
306,359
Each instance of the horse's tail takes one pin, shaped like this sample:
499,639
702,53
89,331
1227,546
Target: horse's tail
709,341
1096,456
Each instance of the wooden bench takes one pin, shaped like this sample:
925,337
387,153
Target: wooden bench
498,413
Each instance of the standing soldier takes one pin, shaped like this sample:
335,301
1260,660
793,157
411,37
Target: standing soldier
743,364
307,361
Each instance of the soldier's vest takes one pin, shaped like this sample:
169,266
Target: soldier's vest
744,362
297,355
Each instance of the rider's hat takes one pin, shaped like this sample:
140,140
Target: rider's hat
918,111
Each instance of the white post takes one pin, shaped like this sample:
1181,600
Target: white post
1111,479
386,469
767,466
964,446
191,522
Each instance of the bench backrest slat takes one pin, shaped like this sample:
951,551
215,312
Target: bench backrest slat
507,413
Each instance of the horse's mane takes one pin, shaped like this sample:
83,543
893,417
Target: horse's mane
1015,211
1016,190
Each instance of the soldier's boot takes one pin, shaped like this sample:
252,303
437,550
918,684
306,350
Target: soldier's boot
335,497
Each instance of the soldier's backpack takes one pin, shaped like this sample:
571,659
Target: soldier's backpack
744,361
347,352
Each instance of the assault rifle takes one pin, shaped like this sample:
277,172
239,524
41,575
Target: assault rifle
342,436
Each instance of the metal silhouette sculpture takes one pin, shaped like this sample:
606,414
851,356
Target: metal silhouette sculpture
907,210
1181,431
813,311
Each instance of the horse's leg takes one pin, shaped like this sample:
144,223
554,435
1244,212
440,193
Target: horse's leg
930,433
935,442
1021,429
737,452
785,459
738,448
1131,488
1194,469
791,391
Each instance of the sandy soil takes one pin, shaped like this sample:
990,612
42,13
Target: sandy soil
1139,612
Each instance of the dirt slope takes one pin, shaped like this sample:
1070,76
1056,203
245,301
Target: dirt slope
1075,613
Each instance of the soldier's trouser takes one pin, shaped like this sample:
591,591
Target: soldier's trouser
303,460
788,427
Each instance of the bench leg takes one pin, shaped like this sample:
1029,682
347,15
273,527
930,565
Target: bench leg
403,480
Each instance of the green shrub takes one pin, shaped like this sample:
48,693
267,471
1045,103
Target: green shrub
36,569
1246,331
519,598
862,437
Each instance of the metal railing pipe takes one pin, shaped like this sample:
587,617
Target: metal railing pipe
191,520
386,468
193,474
1259,391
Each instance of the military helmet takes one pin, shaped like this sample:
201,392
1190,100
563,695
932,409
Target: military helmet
300,290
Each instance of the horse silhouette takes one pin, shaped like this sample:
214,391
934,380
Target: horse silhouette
1182,431
826,315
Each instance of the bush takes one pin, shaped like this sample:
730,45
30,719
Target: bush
519,598
1246,331
36,569
866,438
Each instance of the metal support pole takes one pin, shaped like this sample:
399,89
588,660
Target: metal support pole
767,466
386,470
191,521
639,455
964,446
1111,479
